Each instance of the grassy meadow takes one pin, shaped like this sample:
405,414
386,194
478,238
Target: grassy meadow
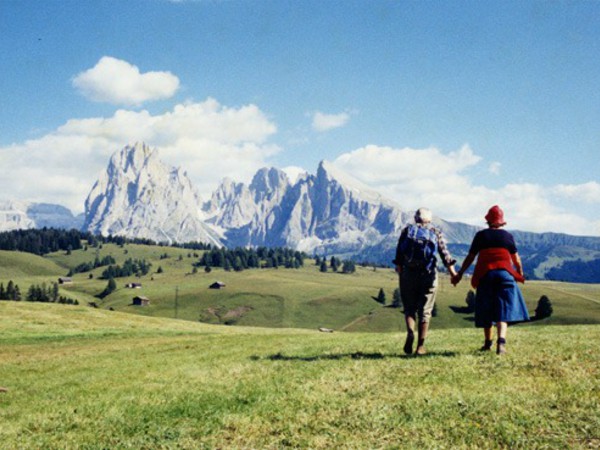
245,367
280,298
79,377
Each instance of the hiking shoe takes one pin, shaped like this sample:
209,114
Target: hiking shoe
408,345
421,351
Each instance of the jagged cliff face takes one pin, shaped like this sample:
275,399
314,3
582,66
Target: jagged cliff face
16,215
326,212
139,196
13,216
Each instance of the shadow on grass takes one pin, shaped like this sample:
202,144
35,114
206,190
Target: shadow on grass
463,310
354,355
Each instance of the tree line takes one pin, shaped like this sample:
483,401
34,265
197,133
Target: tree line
138,267
35,293
335,263
41,241
239,258
88,266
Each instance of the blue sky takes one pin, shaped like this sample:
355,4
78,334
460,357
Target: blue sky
454,105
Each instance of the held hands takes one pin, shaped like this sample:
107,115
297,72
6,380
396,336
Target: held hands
455,279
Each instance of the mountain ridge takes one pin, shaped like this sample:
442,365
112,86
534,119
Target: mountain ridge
326,213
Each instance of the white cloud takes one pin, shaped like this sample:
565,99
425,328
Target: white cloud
586,193
118,82
494,168
208,140
294,172
325,122
430,177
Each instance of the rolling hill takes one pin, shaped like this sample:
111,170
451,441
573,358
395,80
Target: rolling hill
281,298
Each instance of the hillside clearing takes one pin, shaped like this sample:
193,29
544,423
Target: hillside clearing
84,378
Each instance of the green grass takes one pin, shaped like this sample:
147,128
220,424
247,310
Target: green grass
18,265
303,298
80,377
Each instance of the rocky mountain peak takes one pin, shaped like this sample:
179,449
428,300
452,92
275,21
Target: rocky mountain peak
140,196
132,159
268,180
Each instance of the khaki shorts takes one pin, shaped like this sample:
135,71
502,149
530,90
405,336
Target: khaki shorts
417,291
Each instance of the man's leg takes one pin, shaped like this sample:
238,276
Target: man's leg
423,327
410,334
409,300
427,302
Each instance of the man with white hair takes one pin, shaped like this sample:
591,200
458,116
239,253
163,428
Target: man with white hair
416,263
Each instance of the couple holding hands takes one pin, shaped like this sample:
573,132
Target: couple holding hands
498,268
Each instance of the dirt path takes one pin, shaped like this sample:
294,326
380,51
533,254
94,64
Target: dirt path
358,319
585,297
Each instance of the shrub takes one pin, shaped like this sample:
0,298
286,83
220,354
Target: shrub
544,308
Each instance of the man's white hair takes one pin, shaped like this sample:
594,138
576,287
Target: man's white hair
423,215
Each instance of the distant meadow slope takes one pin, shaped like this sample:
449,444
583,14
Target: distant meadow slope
176,287
80,377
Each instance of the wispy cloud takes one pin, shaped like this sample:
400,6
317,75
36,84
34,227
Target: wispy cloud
210,141
324,122
494,168
585,193
118,82
439,180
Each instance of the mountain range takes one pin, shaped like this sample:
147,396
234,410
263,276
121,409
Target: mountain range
328,213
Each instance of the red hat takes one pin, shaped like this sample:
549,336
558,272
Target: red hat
495,216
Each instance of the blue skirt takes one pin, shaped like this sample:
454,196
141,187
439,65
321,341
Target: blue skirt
499,299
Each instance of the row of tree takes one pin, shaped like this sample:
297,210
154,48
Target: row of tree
347,266
131,267
239,258
41,241
35,293
86,267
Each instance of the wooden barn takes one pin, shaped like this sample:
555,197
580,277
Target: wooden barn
140,300
217,285
65,280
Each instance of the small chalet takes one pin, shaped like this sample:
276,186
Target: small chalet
141,301
65,280
134,285
217,285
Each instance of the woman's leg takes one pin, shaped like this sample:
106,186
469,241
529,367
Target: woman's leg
502,329
487,335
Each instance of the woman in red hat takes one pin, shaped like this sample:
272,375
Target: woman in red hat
499,299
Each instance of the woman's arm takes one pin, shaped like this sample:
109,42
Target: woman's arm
516,259
465,265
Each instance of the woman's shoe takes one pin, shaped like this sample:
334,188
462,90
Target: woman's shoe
501,348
